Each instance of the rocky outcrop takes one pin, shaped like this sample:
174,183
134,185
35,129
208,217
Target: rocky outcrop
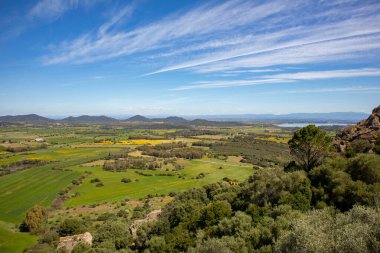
152,216
368,129
69,242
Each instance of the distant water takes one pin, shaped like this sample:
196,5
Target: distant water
308,123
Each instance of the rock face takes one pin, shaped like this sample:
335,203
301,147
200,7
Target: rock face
152,216
368,129
69,242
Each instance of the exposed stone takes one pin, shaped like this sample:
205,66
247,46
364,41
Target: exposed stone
69,242
152,216
368,129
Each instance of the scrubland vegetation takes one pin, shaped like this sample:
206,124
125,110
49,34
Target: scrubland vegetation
219,189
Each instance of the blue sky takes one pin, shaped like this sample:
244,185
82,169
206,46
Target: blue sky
72,57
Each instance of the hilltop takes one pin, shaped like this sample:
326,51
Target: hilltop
138,118
88,119
29,118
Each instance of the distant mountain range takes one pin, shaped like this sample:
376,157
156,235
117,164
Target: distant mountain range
349,117
339,117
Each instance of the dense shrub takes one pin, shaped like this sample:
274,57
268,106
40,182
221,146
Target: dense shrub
126,180
106,216
377,145
112,235
95,180
358,146
200,176
168,151
345,182
322,231
225,244
142,163
71,227
273,186
80,248
258,152
365,168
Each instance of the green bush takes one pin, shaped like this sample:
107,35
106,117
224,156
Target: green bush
126,180
95,180
365,167
113,233
71,227
81,248
34,218
358,146
321,231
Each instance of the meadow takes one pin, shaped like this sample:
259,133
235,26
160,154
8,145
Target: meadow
15,242
141,186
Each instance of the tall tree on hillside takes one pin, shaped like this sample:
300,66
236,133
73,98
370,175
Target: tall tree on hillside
34,218
310,146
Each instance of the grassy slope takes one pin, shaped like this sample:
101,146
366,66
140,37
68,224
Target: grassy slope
14,242
114,190
21,190
56,154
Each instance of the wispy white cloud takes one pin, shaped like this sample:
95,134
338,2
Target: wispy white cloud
230,83
43,11
253,70
346,48
116,18
238,37
51,9
315,75
314,47
198,22
284,78
353,89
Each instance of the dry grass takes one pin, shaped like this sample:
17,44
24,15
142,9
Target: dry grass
94,163
144,142
234,159
137,153
274,139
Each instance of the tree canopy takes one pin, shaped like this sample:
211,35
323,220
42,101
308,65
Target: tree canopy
310,146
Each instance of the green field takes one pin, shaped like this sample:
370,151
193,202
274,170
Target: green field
14,242
115,190
21,190
57,154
